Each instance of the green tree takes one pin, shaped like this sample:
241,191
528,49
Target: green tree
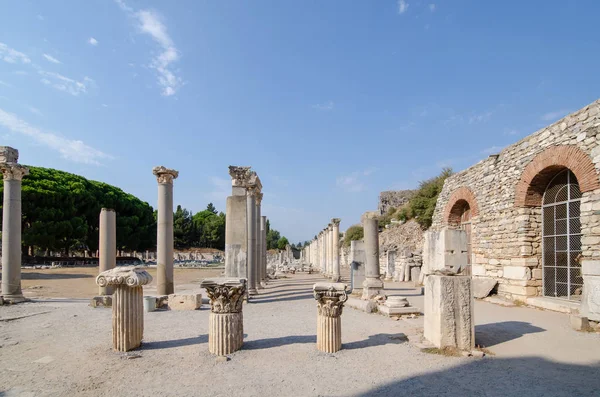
210,227
273,237
184,229
282,243
422,204
354,232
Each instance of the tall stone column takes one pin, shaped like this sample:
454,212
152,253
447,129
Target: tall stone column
324,252
257,267
372,286
127,305
226,320
107,245
330,249
335,244
251,225
164,235
263,250
330,299
236,229
11,224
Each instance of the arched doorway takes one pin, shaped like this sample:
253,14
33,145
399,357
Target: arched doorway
460,217
561,237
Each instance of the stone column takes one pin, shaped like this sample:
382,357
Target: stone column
390,265
263,250
258,234
164,235
226,321
324,252
330,299
372,286
335,248
236,229
127,304
108,245
11,224
251,214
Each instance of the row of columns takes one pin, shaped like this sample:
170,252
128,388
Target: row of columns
246,230
323,252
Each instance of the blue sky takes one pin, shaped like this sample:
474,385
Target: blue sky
330,102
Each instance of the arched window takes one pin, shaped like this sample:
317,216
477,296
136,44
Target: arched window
561,237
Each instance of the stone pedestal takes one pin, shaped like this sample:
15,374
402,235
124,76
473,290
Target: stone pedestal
448,312
330,299
127,304
226,322
444,249
390,265
397,306
107,245
11,224
164,234
372,286
590,303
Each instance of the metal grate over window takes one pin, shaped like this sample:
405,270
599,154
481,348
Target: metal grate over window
561,238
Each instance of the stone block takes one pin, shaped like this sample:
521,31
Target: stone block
358,275
579,323
415,274
444,249
536,274
363,305
590,303
478,270
101,301
517,290
483,286
185,302
517,272
162,301
448,312
398,311
8,154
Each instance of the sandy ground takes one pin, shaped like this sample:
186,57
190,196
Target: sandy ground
64,348
80,282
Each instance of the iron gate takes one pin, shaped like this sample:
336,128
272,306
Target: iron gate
561,237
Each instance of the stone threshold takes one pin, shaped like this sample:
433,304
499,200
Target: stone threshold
554,304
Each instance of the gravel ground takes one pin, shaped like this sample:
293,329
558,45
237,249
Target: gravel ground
64,348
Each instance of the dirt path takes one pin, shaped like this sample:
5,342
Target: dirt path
68,352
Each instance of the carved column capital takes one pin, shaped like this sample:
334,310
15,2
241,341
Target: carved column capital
13,171
164,174
330,227
330,298
226,295
239,175
259,197
336,221
130,276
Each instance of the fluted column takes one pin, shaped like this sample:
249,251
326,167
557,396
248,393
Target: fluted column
330,299
164,234
335,244
107,245
127,304
226,321
13,174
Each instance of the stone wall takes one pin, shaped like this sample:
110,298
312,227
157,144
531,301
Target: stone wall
393,199
504,193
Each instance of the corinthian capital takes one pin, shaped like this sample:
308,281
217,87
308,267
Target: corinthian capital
259,197
226,295
336,221
164,174
239,175
330,298
13,171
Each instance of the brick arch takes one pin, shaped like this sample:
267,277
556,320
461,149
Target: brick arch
456,203
538,173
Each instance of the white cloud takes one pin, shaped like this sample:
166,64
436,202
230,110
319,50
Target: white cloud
40,17
66,84
432,7
553,116
11,55
21,72
35,111
402,6
511,132
93,41
50,58
480,118
354,182
70,149
5,84
324,106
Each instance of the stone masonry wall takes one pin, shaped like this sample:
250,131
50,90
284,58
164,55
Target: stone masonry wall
506,237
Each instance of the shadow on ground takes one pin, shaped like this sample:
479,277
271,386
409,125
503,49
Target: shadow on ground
487,335
168,344
52,276
377,340
291,297
524,376
277,342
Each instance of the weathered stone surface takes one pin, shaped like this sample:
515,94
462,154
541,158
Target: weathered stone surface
398,311
590,305
579,323
101,301
330,299
164,239
185,302
449,312
483,286
444,249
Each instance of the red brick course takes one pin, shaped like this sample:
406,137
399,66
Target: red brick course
456,203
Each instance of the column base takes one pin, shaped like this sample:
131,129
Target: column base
225,333
252,291
336,279
14,298
329,333
371,288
